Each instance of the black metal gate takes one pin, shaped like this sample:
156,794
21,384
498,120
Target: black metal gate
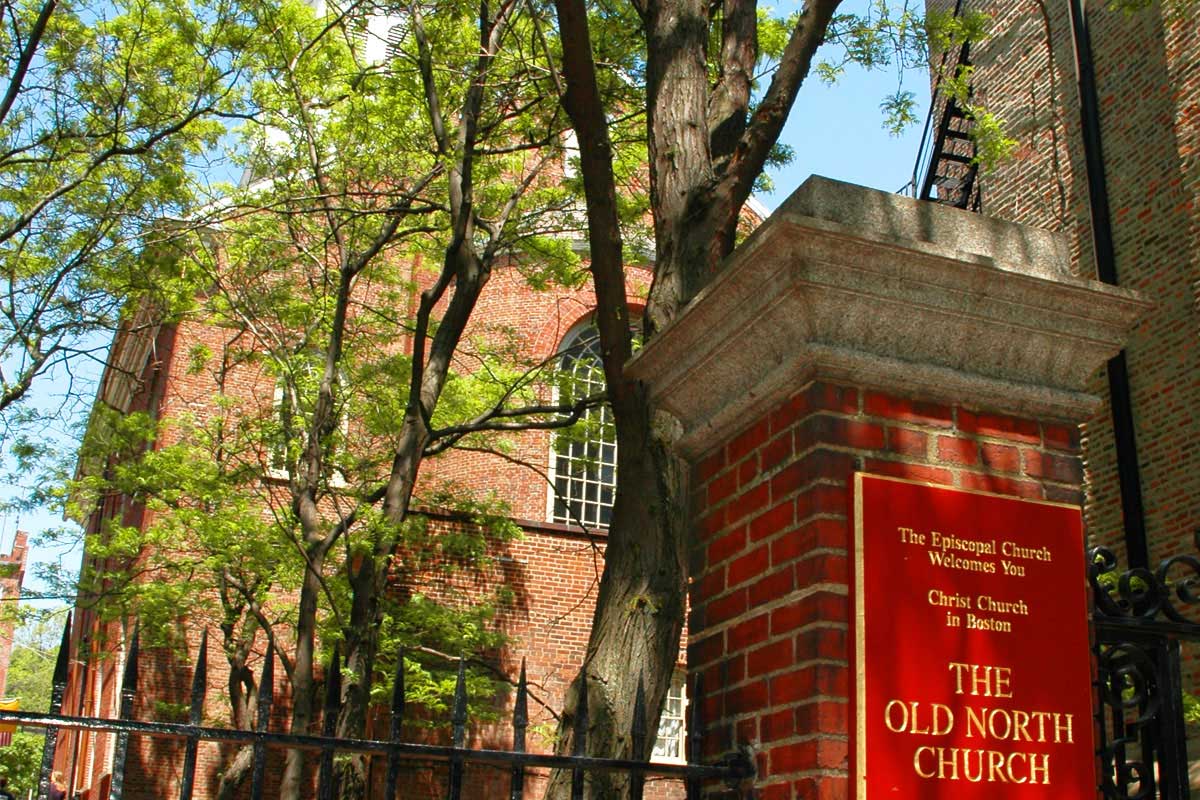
1141,618
453,759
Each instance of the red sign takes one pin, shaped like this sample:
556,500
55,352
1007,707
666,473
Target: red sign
971,646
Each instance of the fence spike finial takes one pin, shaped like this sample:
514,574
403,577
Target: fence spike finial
520,722
393,758
64,658
130,678
581,716
195,717
333,702
579,745
262,718
521,706
266,687
199,681
58,688
637,778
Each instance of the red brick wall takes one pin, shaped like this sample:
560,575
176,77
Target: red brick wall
1147,69
770,604
527,324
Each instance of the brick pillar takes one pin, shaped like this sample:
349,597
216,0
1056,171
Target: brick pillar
855,331
771,603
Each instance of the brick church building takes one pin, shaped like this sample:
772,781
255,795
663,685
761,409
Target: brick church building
12,576
559,496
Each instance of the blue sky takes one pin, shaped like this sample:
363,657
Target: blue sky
836,131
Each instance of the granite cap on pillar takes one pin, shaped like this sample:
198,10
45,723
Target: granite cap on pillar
855,285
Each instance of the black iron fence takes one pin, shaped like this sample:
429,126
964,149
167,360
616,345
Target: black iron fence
454,758
1141,618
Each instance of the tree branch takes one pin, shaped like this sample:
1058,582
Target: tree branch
257,611
584,106
18,77
768,119
498,419
729,99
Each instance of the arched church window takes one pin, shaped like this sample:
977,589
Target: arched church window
583,460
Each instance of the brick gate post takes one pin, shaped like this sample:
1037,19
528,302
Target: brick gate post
856,330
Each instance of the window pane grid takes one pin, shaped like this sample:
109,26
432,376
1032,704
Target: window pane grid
585,466
671,731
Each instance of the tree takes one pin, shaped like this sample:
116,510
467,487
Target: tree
31,666
30,674
301,271
709,138
219,551
105,109
470,130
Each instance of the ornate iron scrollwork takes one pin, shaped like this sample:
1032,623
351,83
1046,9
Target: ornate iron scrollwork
1141,594
1131,704
1141,616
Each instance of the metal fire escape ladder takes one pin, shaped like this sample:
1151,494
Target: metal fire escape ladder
946,171
953,169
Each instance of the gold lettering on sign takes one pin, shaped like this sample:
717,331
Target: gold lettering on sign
983,722
983,682
981,766
902,717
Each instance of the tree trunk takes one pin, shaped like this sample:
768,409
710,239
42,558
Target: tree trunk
639,609
369,579
303,684
362,644
640,604
241,695
681,172
236,773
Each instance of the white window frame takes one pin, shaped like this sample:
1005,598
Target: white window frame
274,452
596,492
672,725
